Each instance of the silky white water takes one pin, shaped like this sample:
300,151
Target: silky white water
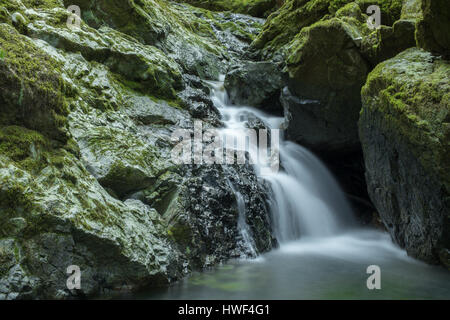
322,255
306,201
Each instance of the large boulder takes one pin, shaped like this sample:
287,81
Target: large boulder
328,63
326,73
255,84
432,31
405,137
57,215
182,33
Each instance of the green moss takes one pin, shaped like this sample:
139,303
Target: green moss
42,4
139,88
335,5
15,142
33,92
390,9
411,91
282,26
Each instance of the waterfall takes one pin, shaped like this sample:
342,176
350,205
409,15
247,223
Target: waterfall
319,257
242,224
306,201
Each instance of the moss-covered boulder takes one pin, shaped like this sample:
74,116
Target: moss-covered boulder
325,66
328,55
433,30
283,25
60,216
144,20
405,135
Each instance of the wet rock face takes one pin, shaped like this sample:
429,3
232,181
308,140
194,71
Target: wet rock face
61,217
204,215
86,176
405,140
256,84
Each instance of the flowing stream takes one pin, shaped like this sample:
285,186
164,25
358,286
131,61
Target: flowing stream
322,253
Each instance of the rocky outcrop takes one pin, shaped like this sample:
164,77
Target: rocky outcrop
204,226
405,138
432,30
283,25
256,84
327,71
86,176
328,63
327,49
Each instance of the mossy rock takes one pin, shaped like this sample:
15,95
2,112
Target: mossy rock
33,92
412,9
386,42
405,135
432,32
143,20
283,25
326,68
61,216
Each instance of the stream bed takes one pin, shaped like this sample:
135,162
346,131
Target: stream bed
322,253
329,268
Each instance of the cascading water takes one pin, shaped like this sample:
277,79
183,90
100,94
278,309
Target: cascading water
306,201
322,254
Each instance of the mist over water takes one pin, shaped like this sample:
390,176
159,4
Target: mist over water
322,253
